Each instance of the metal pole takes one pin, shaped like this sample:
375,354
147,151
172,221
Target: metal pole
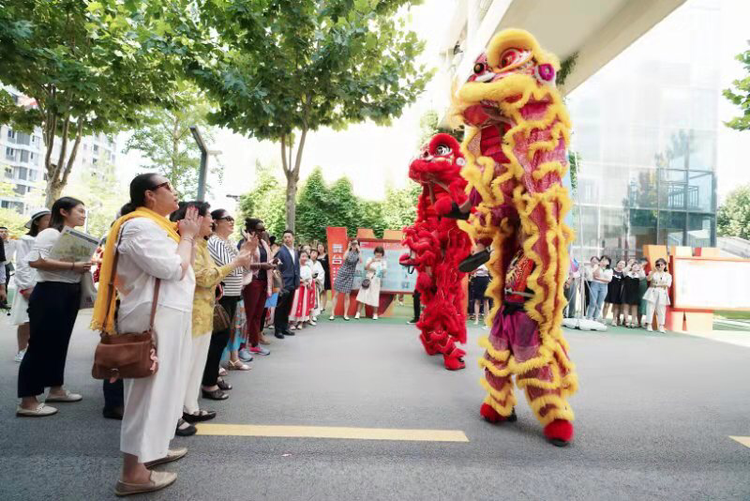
202,173
582,283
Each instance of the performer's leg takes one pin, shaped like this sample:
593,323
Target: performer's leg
547,399
499,404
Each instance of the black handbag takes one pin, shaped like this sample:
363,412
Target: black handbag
365,284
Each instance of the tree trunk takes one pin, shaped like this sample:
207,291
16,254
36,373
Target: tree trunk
292,175
54,190
291,202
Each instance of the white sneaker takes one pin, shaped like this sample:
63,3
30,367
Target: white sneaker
356,317
41,410
65,397
19,356
662,330
649,328
375,316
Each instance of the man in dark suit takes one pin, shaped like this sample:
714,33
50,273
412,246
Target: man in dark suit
289,268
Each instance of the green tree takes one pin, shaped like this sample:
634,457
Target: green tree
265,201
371,216
400,206
103,195
89,67
741,96
733,217
429,125
294,66
314,208
166,141
343,206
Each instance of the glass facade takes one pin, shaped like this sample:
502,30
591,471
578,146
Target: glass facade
645,132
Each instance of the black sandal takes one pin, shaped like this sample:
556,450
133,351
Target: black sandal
187,431
223,385
474,261
214,395
456,213
203,415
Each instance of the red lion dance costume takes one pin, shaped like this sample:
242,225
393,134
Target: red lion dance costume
437,246
515,147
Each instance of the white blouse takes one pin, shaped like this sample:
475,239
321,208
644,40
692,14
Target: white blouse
305,275
43,245
656,292
146,253
317,267
25,276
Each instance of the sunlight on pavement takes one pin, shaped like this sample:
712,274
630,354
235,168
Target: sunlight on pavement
247,430
743,440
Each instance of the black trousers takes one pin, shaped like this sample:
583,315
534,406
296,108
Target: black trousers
417,305
219,341
53,308
283,308
114,394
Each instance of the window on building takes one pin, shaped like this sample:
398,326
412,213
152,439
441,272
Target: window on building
96,148
4,204
10,153
23,138
24,156
20,189
21,173
11,135
33,175
9,172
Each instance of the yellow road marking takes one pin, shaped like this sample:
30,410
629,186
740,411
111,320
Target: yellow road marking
743,440
251,430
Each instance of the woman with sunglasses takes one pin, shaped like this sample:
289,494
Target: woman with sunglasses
657,295
224,250
150,248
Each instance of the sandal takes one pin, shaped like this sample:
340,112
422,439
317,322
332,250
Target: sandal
222,371
203,415
223,385
185,429
238,366
214,395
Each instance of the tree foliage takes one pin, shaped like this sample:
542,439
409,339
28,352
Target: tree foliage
429,125
90,67
320,205
265,201
294,66
733,217
166,141
741,95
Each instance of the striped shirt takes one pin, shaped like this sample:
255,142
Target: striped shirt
223,252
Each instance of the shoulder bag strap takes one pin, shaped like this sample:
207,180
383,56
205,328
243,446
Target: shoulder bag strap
154,304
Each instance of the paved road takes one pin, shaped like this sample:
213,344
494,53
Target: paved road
654,416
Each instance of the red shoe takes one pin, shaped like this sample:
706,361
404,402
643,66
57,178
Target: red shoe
491,415
454,361
429,346
559,432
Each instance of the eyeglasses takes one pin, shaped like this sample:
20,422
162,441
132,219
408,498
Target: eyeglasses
229,219
162,185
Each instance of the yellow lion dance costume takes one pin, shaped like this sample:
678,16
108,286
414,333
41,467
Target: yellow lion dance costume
517,132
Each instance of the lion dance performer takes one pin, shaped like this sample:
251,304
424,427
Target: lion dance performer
517,131
437,245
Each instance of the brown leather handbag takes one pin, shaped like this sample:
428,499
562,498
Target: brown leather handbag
126,355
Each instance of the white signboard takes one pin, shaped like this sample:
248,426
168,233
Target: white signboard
711,284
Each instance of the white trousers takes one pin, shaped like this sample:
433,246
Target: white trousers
153,405
660,308
198,358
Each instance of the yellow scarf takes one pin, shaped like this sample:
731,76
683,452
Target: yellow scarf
103,301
